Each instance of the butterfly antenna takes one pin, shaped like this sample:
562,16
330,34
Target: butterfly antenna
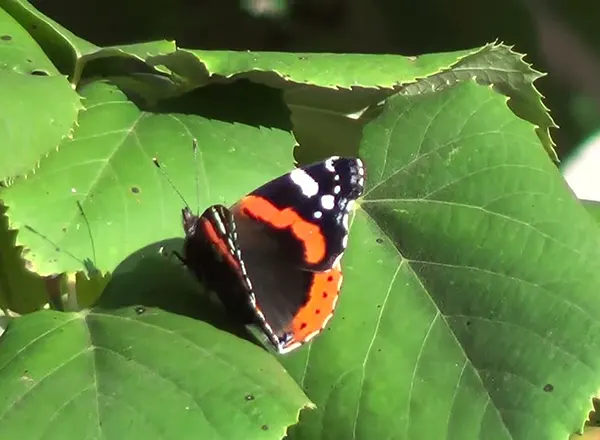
166,176
195,147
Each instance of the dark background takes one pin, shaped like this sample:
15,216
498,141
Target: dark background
558,37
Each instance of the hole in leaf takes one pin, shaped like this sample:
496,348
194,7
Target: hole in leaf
135,189
39,73
5,38
379,240
139,310
548,388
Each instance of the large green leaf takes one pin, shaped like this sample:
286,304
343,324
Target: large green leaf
318,85
126,203
136,372
39,107
325,120
326,70
469,308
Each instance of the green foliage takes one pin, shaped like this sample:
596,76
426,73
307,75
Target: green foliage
469,301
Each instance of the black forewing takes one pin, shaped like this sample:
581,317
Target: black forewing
344,173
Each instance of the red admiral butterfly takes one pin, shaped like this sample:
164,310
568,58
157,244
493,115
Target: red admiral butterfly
274,256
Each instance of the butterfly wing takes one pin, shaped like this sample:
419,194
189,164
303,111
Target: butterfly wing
291,234
311,206
211,254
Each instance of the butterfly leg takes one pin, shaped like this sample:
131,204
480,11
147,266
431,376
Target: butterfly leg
179,257
169,255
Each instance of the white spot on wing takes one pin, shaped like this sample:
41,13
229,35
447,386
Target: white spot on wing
345,241
337,189
329,163
345,221
318,214
307,184
327,201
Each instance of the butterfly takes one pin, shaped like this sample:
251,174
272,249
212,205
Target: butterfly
273,258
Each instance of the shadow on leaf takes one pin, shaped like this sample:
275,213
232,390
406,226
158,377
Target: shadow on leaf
153,277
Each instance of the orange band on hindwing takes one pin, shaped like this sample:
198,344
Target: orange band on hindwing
318,310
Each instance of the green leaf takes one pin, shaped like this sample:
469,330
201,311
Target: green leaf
20,290
88,290
126,203
320,116
319,69
40,106
470,285
139,372
72,53
320,113
593,208
500,66
61,45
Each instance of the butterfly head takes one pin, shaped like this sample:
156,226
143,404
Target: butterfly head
190,221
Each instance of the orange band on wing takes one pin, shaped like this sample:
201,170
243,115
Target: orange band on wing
222,247
317,311
308,233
